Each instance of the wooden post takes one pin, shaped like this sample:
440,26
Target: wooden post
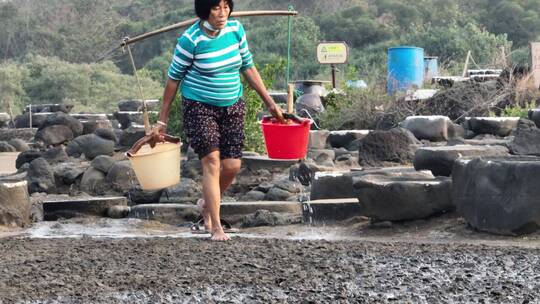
504,62
10,113
333,76
30,115
466,67
290,99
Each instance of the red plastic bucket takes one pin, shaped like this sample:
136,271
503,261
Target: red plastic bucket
286,141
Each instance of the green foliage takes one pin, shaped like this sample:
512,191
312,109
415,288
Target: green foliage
89,87
453,42
268,43
516,110
361,28
520,20
355,109
11,87
521,57
84,31
252,130
81,31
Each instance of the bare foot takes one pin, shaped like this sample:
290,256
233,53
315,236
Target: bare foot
203,209
219,235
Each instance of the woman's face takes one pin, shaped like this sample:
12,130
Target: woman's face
219,15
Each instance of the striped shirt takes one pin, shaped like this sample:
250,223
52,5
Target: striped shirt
210,67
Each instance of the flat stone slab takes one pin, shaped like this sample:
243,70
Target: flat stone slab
51,107
7,162
439,160
498,195
254,163
137,104
318,138
67,207
242,208
500,126
14,204
431,127
487,142
342,138
331,185
165,213
90,116
330,210
399,196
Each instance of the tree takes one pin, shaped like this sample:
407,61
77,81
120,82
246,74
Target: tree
11,87
452,43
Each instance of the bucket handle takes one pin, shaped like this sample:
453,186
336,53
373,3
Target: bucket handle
151,140
291,116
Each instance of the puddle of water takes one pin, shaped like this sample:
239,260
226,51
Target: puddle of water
137,228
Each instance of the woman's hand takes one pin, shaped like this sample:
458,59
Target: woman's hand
276,111
157,133
254,79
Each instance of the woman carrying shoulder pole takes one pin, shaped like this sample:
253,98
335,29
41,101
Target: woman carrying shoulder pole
208,60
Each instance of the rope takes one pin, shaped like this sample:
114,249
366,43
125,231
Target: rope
145,110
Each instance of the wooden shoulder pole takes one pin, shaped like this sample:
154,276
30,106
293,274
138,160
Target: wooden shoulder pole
193,20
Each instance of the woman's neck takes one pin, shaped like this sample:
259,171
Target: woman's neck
210,29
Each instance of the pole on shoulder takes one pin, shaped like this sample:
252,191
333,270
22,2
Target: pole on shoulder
193,20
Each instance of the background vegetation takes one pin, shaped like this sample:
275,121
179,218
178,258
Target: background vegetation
60,50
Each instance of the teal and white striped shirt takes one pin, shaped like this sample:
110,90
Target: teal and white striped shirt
210,66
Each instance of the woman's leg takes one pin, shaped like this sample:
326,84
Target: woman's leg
212,194
229,169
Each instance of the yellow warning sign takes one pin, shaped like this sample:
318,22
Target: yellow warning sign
332,52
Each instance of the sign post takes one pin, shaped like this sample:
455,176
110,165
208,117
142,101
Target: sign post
535,67
333,53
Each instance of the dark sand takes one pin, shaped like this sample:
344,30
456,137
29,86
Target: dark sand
246,270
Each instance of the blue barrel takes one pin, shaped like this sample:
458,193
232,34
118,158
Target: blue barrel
405,68
431,66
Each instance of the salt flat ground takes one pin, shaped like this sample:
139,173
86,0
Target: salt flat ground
134,261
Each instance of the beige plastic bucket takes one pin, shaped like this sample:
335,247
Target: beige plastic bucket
159,167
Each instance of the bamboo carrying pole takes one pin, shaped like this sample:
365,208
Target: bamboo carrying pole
193,20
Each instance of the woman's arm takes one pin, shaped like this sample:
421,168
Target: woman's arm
255,81
168,97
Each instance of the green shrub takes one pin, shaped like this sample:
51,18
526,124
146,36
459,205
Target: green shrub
517,110
355,109
254,139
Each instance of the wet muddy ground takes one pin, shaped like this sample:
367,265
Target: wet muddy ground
55,264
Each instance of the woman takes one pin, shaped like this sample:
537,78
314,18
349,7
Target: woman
208,61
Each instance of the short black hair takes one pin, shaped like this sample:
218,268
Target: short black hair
203,7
